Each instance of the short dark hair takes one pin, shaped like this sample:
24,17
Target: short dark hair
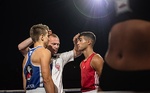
90,35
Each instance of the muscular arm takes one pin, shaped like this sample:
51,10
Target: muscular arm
97,63
45,69
23,47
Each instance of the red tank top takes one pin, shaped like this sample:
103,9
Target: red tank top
89,78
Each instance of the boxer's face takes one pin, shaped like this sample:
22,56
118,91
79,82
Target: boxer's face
82,43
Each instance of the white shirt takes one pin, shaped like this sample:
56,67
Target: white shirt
58,64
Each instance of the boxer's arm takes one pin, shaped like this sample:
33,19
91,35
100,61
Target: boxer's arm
23,47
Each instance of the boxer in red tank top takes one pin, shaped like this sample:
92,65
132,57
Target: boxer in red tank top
91,66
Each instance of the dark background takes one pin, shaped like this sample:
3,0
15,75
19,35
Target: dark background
17,16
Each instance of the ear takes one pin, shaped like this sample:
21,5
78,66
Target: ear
41,37
89,41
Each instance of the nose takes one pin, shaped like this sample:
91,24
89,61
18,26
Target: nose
77,42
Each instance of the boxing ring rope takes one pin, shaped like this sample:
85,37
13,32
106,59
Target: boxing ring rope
72,90
75,90
12,91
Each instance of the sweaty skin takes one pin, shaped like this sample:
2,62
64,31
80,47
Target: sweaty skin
129,46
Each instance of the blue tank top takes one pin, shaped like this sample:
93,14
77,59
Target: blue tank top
32,73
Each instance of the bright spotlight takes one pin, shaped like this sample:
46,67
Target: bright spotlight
95,8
